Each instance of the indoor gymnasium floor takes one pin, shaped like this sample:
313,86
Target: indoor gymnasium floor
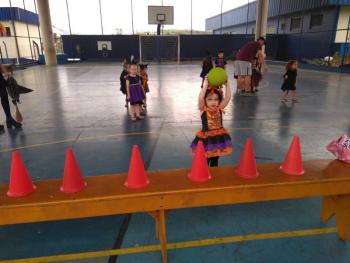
80,105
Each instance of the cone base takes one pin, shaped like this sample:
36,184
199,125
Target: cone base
71,191
126,184
11,194
291,172
199,179
244,176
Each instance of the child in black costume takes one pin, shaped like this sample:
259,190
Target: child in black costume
290,78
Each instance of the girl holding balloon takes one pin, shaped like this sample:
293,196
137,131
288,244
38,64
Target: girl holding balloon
211,103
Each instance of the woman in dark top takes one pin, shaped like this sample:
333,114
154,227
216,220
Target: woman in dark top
290,79
5,102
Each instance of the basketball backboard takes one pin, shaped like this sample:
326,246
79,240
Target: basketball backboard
161,15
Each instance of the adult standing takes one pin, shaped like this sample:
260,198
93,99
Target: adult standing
5,101
243,62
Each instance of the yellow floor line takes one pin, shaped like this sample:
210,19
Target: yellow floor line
177,245
80,139
91,138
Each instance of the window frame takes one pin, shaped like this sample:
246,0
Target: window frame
291,28
316,15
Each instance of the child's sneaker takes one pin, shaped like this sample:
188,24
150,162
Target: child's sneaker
295,100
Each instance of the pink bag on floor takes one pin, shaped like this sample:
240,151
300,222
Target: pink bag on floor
340,148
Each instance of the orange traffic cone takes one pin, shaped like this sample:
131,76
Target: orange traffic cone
137,176
72,179
20,182
247,165
293,164
200,170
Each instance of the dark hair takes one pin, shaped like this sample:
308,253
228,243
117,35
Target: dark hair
262,39
143,66
133,63
220,51
9,68
215,91
290,64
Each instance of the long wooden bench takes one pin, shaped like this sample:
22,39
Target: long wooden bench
171,189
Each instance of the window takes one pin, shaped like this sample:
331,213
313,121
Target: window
295,23
316,20
253,30
8,31
283,26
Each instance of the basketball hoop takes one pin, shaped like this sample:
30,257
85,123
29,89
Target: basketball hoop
160,15
161,18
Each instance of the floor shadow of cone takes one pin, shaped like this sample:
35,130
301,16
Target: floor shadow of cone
137,176
20,182
293,163
199,171
247,164
73,181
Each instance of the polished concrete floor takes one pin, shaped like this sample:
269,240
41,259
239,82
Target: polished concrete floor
80,105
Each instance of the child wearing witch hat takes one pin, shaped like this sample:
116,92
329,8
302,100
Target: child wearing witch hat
14,90
215,138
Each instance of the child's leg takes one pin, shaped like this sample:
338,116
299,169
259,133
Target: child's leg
126,101
285,95
214,161
294,95
133,112
138,111
247,83
240,83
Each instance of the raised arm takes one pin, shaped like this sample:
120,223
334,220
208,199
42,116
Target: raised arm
227,97
201,102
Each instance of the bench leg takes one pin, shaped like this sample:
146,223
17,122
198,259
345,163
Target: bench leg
328,208
159,218
340,207
162,235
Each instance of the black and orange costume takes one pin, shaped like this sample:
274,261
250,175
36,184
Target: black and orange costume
144,81
216,140
144,77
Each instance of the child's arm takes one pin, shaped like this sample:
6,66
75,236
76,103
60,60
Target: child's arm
261,58
201,102
128,89
227,97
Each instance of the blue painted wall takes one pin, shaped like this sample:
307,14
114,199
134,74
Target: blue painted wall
122,46
192,46
18,14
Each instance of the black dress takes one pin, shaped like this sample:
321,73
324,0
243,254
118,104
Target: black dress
289,83
122,79
4,97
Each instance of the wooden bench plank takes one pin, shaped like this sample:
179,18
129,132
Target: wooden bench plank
106,195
